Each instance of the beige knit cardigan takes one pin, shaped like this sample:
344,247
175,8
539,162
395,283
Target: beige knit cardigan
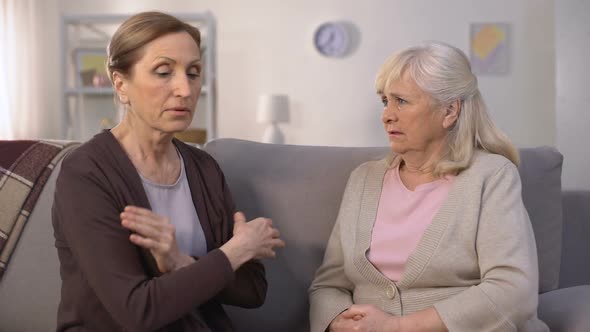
476,262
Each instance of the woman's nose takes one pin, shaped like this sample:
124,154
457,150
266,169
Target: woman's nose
388,114
182,86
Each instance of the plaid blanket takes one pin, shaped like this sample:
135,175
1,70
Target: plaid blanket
25,167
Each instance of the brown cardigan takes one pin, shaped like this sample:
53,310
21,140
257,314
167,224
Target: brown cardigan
109,284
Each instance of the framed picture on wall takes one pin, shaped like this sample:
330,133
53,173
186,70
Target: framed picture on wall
90,68
489,48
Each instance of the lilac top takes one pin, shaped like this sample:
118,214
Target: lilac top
175,202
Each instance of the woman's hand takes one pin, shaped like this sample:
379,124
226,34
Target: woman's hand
156,233
342,323
362,317
255,239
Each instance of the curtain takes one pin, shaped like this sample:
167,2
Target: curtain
21,87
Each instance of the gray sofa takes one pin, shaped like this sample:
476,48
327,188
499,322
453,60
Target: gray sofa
300,188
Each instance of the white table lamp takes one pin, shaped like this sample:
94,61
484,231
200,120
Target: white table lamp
272,110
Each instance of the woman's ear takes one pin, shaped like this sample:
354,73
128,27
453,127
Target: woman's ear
120,85
452,114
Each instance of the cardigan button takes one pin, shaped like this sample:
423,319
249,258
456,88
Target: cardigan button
391,290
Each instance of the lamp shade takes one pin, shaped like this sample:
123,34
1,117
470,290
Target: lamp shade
273,108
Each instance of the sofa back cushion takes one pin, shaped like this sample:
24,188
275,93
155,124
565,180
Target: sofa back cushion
540,173
300,188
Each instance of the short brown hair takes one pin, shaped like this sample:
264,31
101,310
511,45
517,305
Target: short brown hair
126,45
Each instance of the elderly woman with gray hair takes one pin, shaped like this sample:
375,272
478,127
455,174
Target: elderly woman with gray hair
434,237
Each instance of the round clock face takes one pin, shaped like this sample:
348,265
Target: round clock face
331,39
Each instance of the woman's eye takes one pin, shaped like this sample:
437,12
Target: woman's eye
193,74
163,70
384,101
401,101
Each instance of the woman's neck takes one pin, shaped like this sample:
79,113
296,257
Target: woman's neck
142,142
152,153
421,162
412,178
417,167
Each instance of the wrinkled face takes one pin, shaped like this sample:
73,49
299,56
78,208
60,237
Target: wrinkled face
164,85
412,119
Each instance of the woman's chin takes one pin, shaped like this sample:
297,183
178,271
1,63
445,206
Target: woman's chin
177,126
396,148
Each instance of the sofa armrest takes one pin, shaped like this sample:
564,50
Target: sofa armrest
566,309
30,287
575,268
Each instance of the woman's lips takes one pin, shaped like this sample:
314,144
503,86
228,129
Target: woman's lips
179,111
394,134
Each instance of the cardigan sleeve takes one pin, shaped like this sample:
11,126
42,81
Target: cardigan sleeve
87,216
507,295
330,292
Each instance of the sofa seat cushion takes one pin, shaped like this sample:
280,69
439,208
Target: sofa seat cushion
567,309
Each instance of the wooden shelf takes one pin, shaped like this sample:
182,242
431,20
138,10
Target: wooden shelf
89,91
193,135
104,91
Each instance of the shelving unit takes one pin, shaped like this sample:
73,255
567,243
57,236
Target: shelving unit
88,100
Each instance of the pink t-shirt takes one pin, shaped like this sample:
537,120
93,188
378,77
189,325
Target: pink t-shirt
402,217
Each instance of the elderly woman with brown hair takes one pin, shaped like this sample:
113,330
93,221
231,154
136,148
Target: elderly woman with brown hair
435,237
145,226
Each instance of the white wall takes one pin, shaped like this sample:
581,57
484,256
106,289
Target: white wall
49,121
572,41
266,46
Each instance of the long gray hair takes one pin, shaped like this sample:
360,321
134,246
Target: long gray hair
444,72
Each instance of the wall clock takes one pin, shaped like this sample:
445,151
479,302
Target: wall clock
332,39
